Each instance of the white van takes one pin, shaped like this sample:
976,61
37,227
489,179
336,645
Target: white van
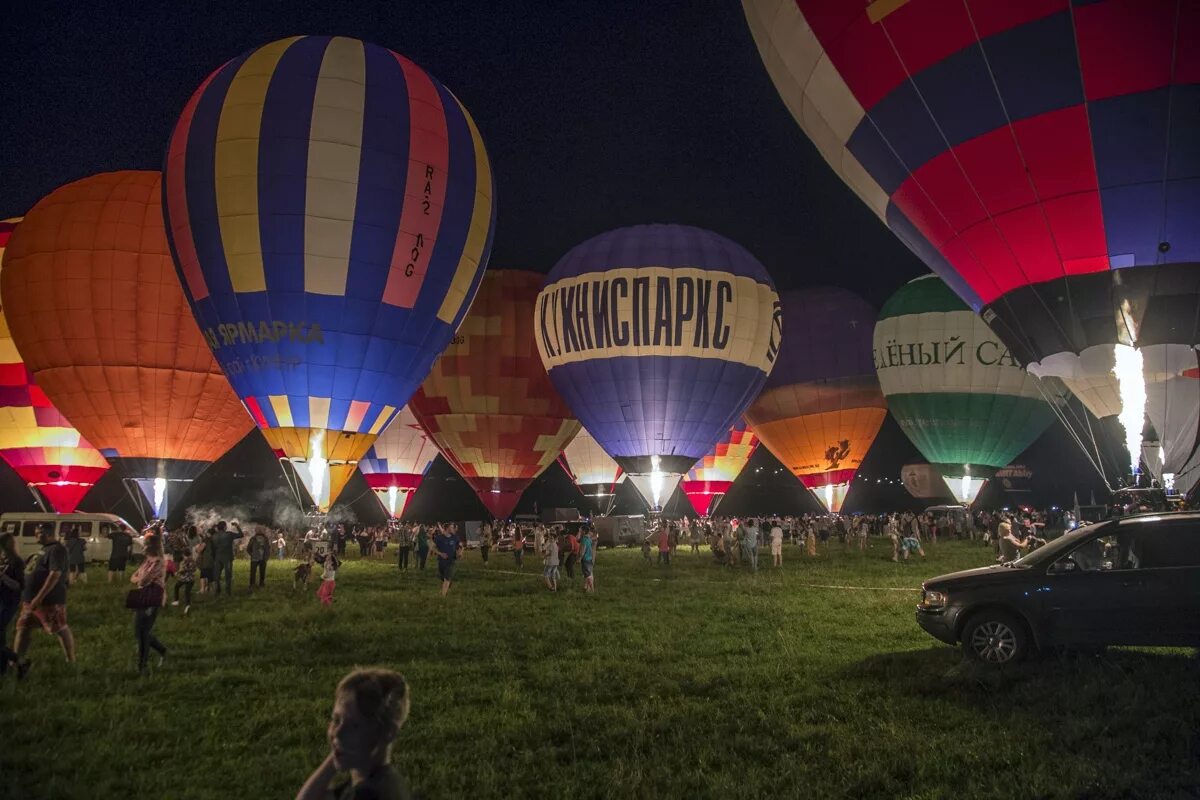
94,528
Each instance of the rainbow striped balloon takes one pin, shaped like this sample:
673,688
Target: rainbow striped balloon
713,475
330,211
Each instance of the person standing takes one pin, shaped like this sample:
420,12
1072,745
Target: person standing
12,578
207,556
222,542
422,546
587,560
76,556
365,542
485,541
664,544
381,543
404,543
892,531
449,548
280,545
777,543
550,563
122,543
518,543
697,535
152,572
750,544
572,553
258,548
44,598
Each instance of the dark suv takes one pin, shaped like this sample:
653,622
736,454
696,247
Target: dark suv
1128,581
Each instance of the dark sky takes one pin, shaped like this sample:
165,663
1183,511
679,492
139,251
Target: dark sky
595,115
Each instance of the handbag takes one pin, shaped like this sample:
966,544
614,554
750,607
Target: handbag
145,597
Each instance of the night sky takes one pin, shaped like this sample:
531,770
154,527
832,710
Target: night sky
595,116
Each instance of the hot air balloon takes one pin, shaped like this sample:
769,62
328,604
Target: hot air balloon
713,475
488,403
35,439
95,309
821,408
924,481
658,336
1040,157
396,463
593,470
955,390
330,211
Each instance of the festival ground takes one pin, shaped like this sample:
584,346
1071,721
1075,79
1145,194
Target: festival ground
692,681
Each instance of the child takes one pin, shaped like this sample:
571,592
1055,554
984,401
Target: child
370,706
646,548
328,578
185,576
303,570
281,546
518,544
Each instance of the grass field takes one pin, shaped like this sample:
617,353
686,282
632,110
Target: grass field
687,682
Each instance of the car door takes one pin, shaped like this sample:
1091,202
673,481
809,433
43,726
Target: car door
1088,599
1167,596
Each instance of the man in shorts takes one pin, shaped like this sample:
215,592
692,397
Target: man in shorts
448,549
122,543
44,598
588,559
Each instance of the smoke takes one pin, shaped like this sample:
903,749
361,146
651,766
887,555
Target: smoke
274,507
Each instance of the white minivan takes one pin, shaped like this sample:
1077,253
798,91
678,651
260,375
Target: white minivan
94,528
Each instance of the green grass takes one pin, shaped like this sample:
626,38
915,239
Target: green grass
693,682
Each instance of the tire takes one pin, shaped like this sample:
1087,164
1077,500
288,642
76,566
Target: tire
995,637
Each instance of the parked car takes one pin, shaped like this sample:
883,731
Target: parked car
94,528
1127,581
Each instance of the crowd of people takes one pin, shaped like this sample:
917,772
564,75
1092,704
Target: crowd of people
35,594
372,705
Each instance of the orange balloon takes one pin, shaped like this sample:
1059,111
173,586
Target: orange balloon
97,313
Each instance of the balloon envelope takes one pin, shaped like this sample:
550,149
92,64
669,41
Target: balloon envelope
36,440
708,481
821,408
398,461
95,308
1034,155
488,402
956,391
593,470
330,211
658,336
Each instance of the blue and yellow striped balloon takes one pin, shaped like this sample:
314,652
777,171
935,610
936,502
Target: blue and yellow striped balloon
330,211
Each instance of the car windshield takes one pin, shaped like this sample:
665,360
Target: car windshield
1052,550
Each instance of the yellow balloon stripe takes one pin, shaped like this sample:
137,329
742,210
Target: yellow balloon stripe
481,218
334,150
282,408
236,167
318,412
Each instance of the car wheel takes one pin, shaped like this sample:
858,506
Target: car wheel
995,637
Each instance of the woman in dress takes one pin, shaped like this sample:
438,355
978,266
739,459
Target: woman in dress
152,572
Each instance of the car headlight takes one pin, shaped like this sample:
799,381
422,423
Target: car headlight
933,599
